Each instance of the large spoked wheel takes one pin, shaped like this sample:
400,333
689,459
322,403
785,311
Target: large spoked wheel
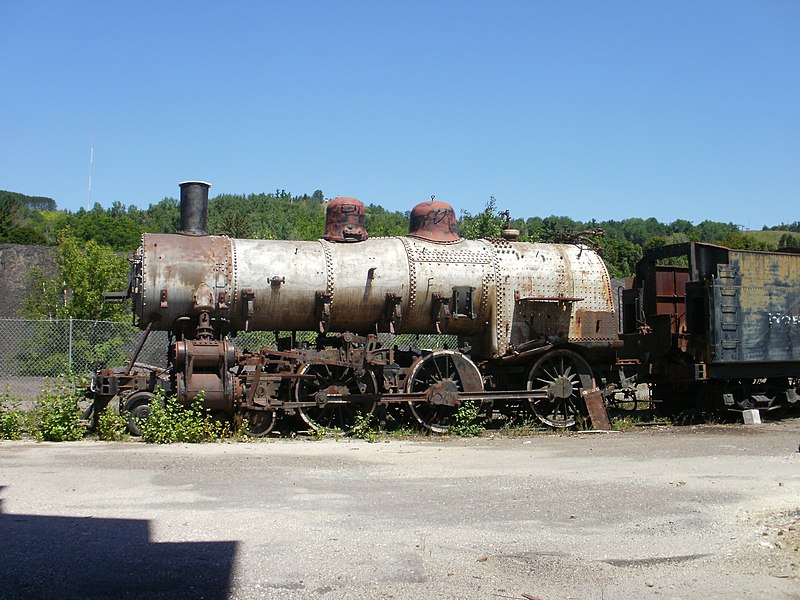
138,408
329,389
256,423
559,377
442,374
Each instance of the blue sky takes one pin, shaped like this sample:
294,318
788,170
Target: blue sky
603,110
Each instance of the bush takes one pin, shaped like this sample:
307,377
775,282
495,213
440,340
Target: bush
112,426
364,427
11,420
465,420
170,422
58,414
10,424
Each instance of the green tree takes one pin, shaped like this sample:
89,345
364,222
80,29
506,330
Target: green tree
486,224
162,217
788,240
86,271
739,241
620,257
112,227
19,223
382,223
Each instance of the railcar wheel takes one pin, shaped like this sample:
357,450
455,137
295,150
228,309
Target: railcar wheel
559,377
257,423
441,373
336,414
138,408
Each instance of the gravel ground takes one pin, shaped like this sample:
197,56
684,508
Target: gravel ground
683,512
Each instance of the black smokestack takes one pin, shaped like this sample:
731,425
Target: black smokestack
194,207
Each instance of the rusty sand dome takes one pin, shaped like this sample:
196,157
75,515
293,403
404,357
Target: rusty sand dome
434,221
345,221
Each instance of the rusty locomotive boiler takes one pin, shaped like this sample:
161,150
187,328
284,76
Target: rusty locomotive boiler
529,319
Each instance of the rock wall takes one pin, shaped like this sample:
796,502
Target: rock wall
15,262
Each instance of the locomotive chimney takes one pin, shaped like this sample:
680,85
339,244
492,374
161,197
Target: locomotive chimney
194,207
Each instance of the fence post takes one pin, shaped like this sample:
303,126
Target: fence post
70,346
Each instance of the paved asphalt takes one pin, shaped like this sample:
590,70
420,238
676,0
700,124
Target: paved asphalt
692,512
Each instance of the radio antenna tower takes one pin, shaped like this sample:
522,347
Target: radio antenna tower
91,162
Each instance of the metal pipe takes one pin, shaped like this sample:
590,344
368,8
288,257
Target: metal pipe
139,346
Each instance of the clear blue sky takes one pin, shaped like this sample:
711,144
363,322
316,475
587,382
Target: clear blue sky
588,109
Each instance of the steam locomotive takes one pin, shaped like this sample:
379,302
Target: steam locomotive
535,324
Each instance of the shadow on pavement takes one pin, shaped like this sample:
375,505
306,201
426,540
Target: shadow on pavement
86,557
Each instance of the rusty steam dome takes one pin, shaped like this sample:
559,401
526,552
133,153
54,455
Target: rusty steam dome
345,221
434,221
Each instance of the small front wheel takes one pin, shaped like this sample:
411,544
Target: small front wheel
138,409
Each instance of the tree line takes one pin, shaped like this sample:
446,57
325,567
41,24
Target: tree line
281,215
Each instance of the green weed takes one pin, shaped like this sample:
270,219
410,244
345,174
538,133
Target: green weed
364,427
112,426
10,424
170,422
465,421
58,415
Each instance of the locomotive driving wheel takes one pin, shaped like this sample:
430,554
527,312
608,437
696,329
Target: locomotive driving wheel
256,423
442,373
559,376
329,389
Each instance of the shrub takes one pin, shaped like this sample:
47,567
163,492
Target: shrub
10,424
58,414
465,420
112,426
364,427
170,422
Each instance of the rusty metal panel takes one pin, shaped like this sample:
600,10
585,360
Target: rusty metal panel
178,274
556,292
756,308
670,282
596,408
439,271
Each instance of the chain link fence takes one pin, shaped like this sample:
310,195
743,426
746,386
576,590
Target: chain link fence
33,353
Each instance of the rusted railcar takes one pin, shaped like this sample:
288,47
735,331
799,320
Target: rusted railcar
722,329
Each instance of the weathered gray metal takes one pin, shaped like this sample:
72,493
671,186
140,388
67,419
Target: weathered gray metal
500,294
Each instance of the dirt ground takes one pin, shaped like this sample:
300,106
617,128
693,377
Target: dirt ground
666,512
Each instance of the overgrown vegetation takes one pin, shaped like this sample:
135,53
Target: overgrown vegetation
170,422
364,427
522,427
465,420
11,421
86,270
112,426
58,414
